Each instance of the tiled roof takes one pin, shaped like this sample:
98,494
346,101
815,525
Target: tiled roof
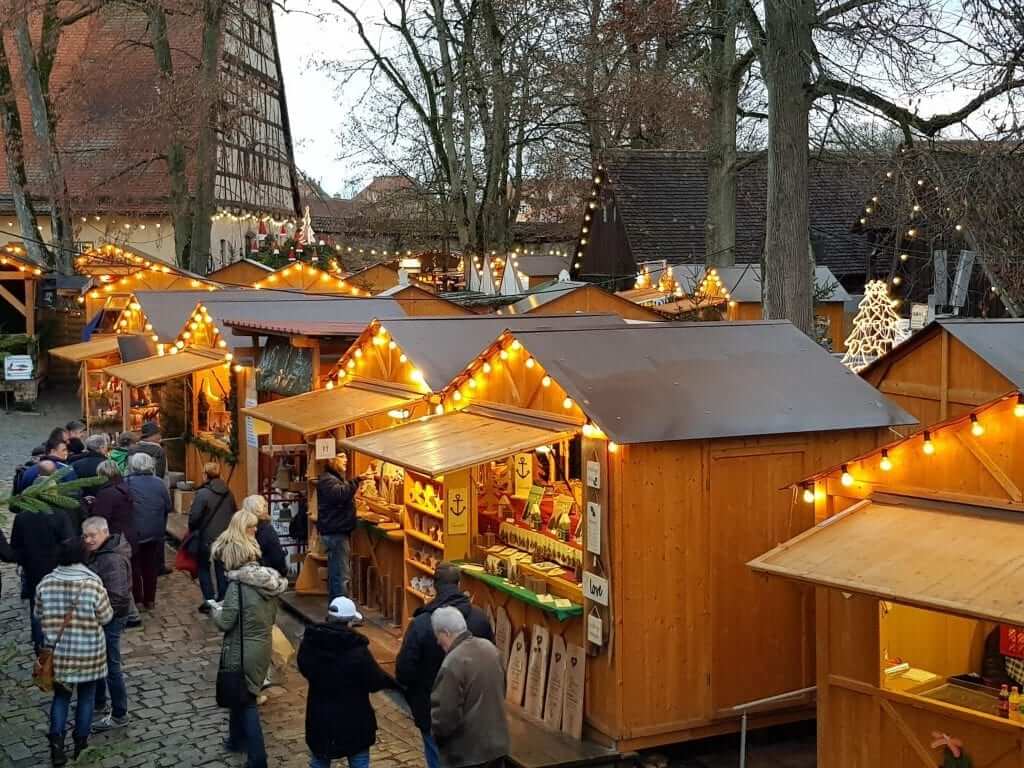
661,197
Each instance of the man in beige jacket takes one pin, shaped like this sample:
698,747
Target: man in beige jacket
467,705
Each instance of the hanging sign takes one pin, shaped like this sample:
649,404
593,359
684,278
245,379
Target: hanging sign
537,672
456,494
515,680
593,474
575,682
503,634
326,448
18,368
555,697
252,439
595,628
593,527
522,472
595,588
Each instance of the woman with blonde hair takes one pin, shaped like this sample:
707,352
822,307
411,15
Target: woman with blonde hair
247,619
270,545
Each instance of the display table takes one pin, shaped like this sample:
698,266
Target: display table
521,593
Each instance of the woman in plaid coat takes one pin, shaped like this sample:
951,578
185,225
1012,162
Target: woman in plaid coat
73,606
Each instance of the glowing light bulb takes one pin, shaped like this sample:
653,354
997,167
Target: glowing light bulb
516,345
438,409
472,383
1018,409
416,375
808,495
403,359
392,345
486,368
977,428
846,478
567,403
456,396
350,364
886,463
588,430
228,356
613,447
546,381
530,362
358,353
928,447
503,354
329,385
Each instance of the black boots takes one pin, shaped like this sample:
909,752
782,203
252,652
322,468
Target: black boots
80,745
57,756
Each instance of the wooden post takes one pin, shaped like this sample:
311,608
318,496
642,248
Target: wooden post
30,307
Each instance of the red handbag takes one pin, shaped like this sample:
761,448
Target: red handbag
185,560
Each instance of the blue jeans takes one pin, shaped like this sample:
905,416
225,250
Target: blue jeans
362,760
83,710
35,625
430,750
115,678
339,564
206,580
245,732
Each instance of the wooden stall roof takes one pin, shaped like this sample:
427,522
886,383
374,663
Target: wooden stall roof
166,311
325,409
1000,343
14,257
933,555
654,382
545,293
435,445
442,347
229,273
98,346
161,368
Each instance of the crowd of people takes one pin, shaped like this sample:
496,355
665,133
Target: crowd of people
89,574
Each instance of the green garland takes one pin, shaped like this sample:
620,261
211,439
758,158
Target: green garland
50,493
212,449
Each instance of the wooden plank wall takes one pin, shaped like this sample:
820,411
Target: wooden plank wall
593,299
692,615
938,378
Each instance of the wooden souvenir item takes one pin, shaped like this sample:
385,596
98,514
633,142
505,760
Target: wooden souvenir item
515,681
555,698
537,672
503,634
575,682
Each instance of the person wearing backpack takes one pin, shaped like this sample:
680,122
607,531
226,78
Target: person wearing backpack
208,518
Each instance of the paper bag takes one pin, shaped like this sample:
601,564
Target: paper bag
282,651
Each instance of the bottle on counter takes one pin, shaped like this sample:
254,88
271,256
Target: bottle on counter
1015,703
1004,702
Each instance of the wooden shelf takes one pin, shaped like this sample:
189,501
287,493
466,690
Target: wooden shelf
417,508
317,556
420,566
417,594
424,538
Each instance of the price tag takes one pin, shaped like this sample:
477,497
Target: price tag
594,527
593,474
595,628
326,448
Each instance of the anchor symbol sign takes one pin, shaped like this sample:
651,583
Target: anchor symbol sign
457,508
521,469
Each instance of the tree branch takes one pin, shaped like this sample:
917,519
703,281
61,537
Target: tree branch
842,8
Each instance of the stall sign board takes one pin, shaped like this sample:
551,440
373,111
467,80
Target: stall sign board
555,697
593,474
522,471
595,588
326,448
456,494
251,437
18,368
593,527
595,628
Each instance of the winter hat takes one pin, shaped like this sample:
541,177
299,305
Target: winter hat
150,428
343,609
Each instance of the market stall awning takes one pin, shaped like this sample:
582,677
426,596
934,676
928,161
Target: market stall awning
100,346
946,557
161,368
438,444
326,409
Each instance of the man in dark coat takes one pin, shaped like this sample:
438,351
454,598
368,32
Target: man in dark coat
342,673
150,438
74,433
208,518
109,556
35,537
96,449
57,452
421,657
336,519
152,504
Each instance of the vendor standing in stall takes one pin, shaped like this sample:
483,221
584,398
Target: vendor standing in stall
336,519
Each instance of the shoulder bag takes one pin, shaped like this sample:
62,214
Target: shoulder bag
232,688
42,668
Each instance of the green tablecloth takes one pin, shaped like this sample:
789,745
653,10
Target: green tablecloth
372,529
521,593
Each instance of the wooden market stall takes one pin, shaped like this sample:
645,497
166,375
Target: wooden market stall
241,273
19,286
308,278
374,278
914,571
419,302
388,375
115,273
562,297
951,366
606,487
